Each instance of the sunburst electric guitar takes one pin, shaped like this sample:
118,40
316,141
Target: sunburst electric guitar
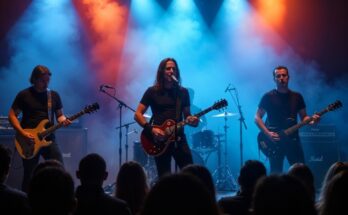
28,150
155,147
271,148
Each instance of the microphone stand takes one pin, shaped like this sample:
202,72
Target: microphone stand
120,106
241,121
127,133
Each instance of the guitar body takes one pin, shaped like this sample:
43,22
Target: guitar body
271,148
29,150
156,147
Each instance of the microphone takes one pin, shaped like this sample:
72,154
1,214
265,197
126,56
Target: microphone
174,79
101,88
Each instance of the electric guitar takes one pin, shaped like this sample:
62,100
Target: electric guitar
271,148
28,150
156,147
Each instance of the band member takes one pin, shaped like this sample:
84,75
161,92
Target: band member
282,106
168,100
32,102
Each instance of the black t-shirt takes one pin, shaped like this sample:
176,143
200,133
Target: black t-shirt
163,103
34,106
281,108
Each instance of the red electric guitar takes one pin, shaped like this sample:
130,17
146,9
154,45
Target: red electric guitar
155,147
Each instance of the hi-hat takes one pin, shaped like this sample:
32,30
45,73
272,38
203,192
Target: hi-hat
224,114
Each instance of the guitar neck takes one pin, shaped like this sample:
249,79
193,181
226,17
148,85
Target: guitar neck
184,122
294,128
53,128
203,112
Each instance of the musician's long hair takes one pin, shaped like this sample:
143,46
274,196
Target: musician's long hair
159,82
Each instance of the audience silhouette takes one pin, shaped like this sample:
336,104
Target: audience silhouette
203,174
182,194
192,191
304,174
335,197
51,191
281,194
131,185
250,173
12,201
334,169
90,194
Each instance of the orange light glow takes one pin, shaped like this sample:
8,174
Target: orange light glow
106,23
273,11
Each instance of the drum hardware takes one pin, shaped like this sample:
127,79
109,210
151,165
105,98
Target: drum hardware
145,160
127,133
150,170
224,180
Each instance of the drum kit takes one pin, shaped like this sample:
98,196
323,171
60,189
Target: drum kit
204,143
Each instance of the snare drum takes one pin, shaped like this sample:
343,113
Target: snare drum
203,139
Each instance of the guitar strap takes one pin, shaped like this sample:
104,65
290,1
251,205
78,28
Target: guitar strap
178,106
49,106
178,111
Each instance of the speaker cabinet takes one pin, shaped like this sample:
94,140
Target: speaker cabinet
72,143
16,170
320,148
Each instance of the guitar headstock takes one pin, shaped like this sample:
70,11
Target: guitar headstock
337,104
220,104
91,108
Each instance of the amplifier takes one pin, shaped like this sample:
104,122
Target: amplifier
320,148
5,124
318,133
72,143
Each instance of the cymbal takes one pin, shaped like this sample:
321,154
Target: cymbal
147,115
224,114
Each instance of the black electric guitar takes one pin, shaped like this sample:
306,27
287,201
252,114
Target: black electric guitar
29,150
270,148
155,147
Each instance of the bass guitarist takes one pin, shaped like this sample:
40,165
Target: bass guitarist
37,103
168,100
282,107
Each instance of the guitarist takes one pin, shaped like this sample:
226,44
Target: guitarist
32,102
282,107
167,100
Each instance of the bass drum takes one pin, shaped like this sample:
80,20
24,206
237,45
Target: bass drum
203,140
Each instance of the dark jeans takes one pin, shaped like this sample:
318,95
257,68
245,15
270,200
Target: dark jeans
292,151
50,152
181,153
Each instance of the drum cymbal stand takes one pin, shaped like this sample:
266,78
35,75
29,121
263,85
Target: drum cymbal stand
224,180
